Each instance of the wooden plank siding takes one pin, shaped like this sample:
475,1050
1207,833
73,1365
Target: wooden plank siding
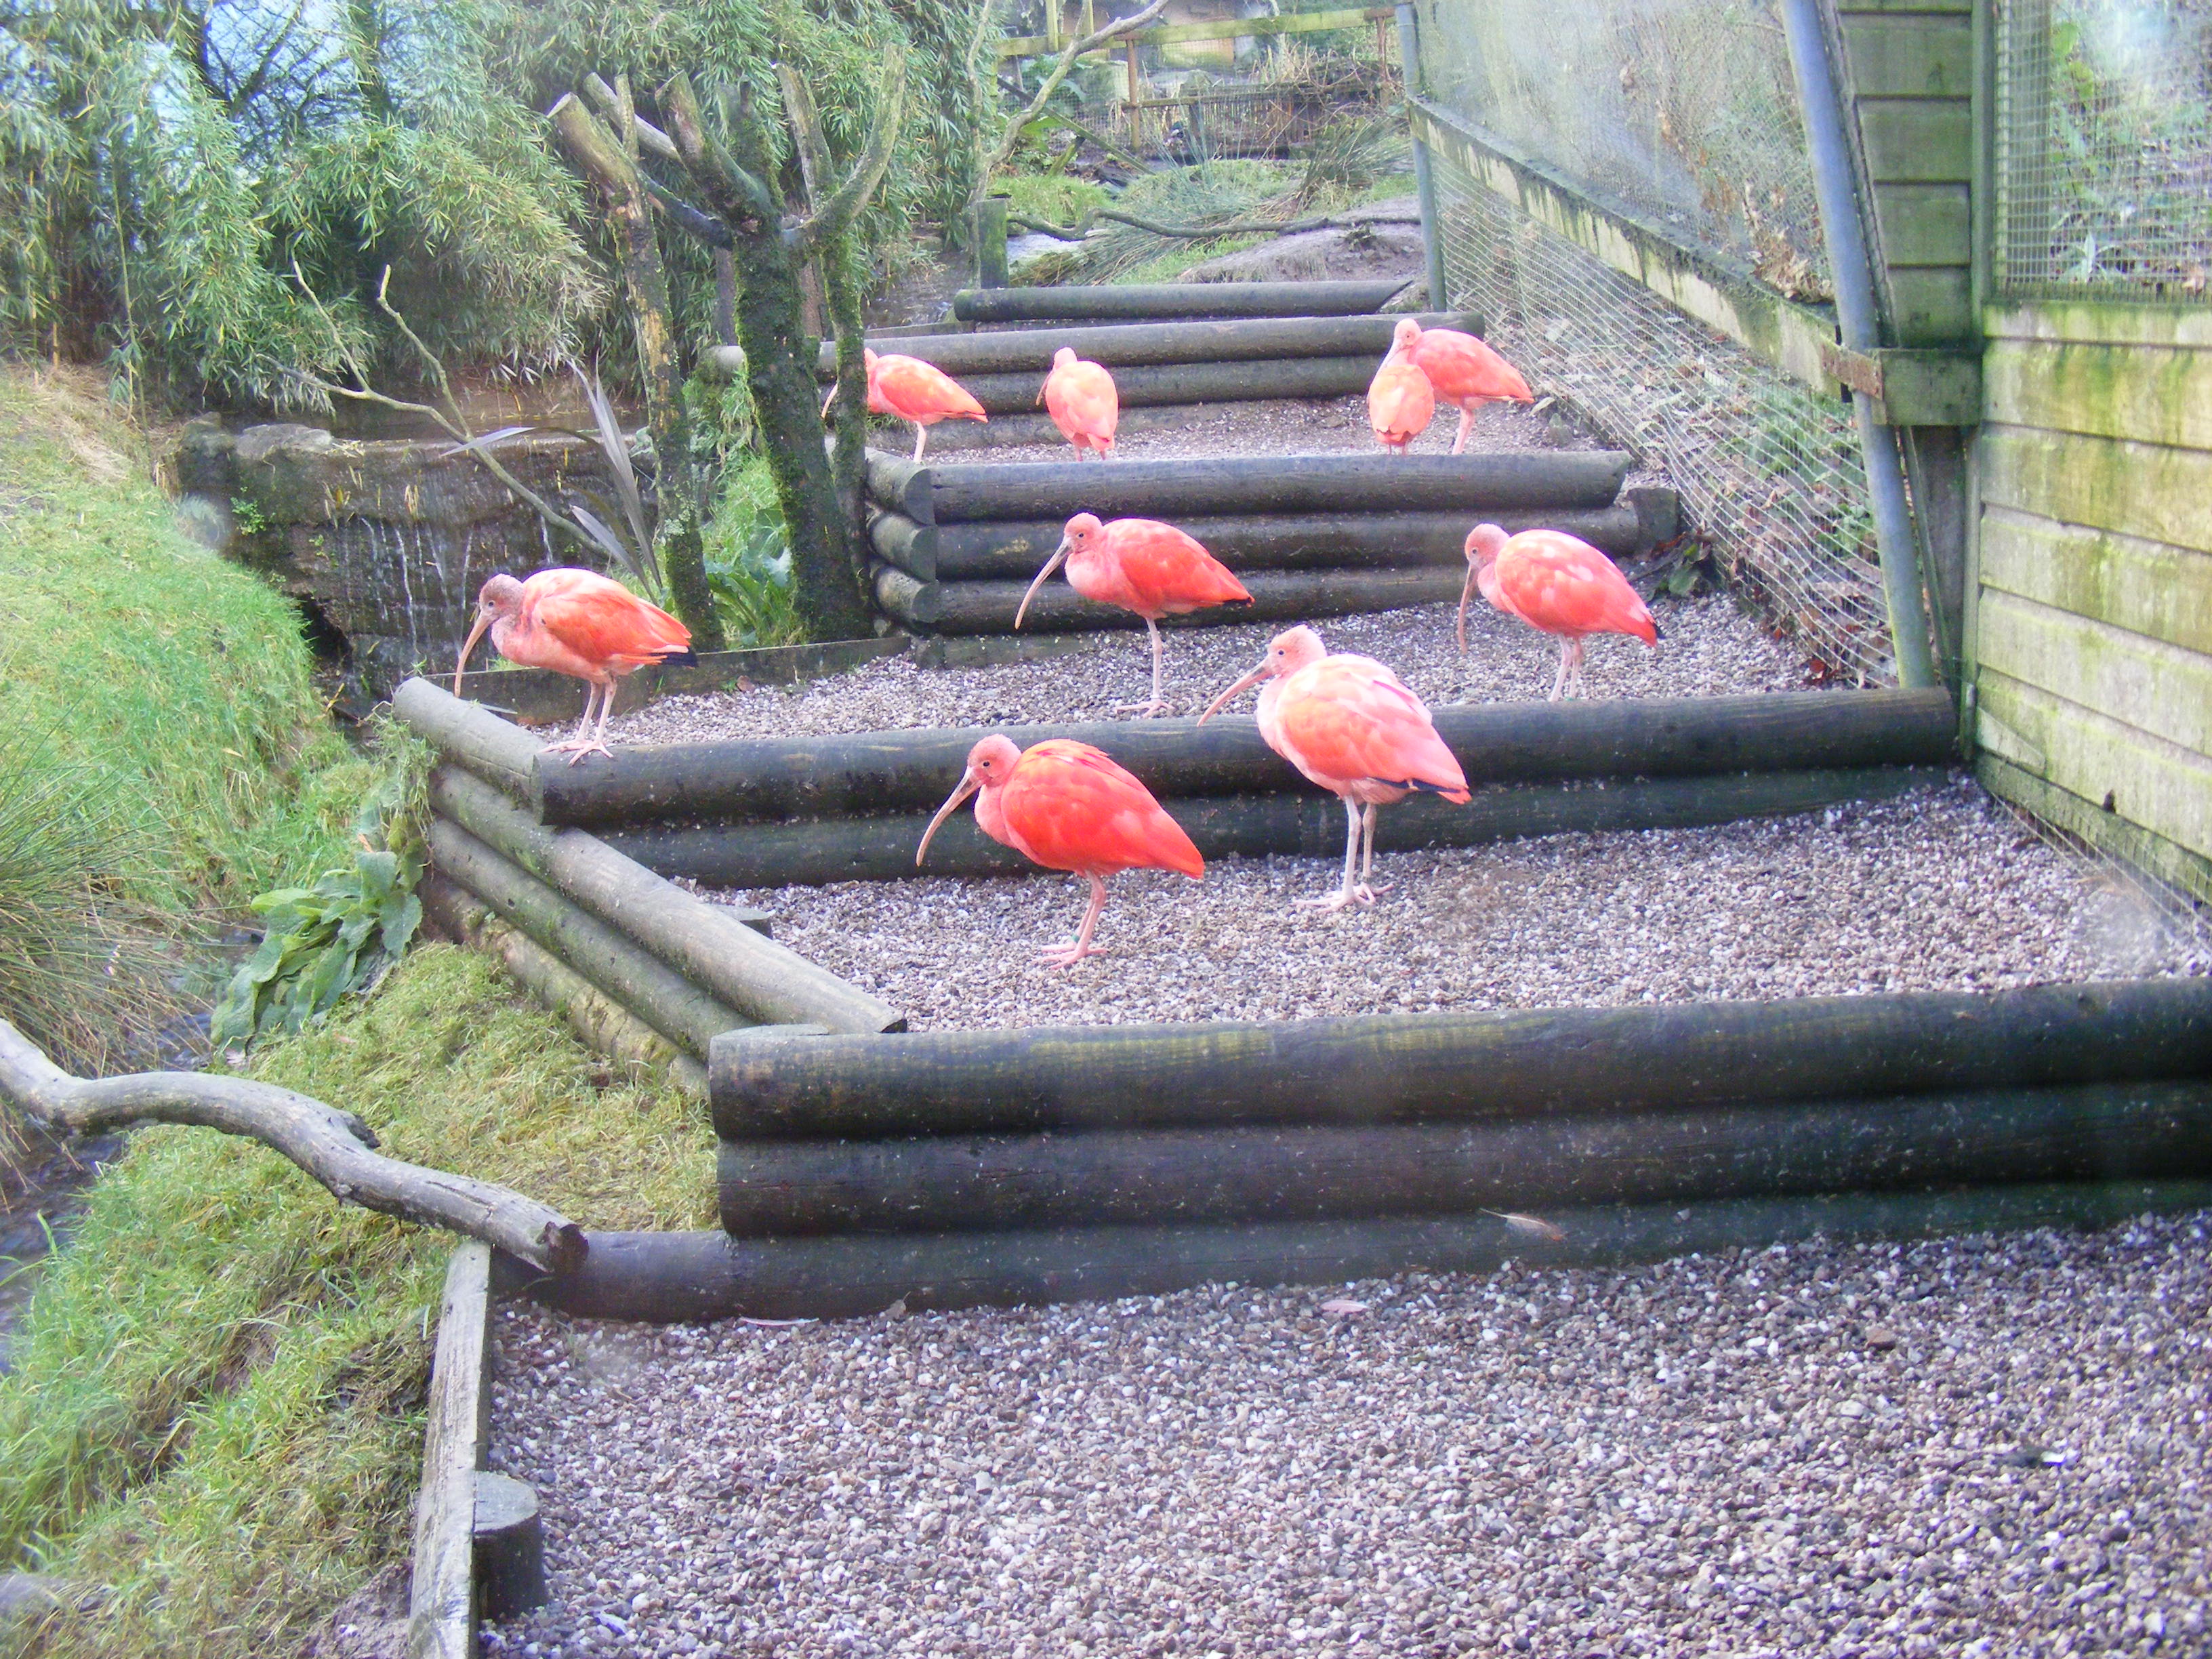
2093,621
1911,70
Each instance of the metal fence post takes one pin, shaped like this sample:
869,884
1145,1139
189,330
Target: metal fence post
1424,178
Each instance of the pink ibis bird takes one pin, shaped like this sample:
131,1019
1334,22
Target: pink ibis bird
1080,398
1465,373
1558,584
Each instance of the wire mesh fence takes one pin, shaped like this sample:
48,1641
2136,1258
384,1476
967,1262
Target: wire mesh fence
1769,472
2104,139
1685,112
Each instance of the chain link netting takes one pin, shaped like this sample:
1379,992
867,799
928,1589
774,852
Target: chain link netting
1770,473
1682,112
2104,139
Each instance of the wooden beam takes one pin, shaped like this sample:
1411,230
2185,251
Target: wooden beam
2163,690
1110,303
2150,394
2160,591
1123,345
2152,491
441,1615
1233,28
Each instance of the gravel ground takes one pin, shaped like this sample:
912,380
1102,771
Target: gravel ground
1708,648
1975,1447
1940,890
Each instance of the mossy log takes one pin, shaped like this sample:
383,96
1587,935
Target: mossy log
1130,345
632,976
474,738
1460,1068
930,1183
1108,302
1174,385
672,1277
1496,743
1283,596
1246,826
601,1022
710,946
1547,480
1013,551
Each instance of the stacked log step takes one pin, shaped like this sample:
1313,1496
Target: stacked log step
1101,1161
765,812
642,970
1309,535
1166,302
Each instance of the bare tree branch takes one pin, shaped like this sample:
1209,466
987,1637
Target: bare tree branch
731,191
831,219
334,1146
996,156
648,137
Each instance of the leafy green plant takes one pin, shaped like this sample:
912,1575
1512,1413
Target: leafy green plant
748,559
341,934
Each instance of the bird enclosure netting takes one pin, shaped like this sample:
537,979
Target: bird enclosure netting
2104,148
1681,114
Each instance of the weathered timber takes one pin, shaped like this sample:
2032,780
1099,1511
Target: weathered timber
509,1546
882,848
539,695
499,751
906,598
1550,480
710,946
1495,742
1008,551
334,1146
1172,386
1462,1067
603,1024
1105,302
1130,345
930,1184
656,993
1034,428
1285,596
441,1603
670,1277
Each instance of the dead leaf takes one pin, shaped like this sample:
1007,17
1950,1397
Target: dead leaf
1343,1304
1533,1226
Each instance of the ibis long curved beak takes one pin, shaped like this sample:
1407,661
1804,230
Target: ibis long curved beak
483,621
969,784
1229,696
1464,594
1050,565
828,400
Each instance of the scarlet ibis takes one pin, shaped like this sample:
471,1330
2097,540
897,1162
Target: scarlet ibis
576,623
917,392
1349,726
1080,398
1067,806
1400,404
1140,565
1465,373
1558,583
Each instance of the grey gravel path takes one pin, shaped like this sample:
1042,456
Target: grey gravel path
1710,648
1973,1447
1940,890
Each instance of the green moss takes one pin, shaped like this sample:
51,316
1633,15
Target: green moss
216,1410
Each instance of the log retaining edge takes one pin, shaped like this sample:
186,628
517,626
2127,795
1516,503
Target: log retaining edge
1180,343
1100,301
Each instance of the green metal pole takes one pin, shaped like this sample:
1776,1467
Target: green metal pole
1425,178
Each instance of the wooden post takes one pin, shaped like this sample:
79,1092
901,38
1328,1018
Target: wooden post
510,1546
441,1605
989,228
1136,131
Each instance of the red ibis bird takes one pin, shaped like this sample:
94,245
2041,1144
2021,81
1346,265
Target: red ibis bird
1349,726
1400,404
1558,583
576,623
1465,373
917,392
1080,398
1067,806
1140,565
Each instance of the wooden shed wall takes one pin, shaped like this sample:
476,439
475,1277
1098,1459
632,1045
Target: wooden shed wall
2093,628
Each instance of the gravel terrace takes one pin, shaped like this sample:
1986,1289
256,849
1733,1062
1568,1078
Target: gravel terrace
1978,1447
1939,890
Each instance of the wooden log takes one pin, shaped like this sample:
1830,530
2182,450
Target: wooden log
603,1024
1131,345
498,752
930,1183
949,439
905,598
441,1603
1550,481
1014,551
1283,596
1496,743
656,993
1462,1067
334,1146
1104,301
671,1277
1173,385
709,945
509,1542
1306,826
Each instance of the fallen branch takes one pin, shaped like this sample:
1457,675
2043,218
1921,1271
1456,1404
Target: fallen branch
334,1146
1084,226
996,156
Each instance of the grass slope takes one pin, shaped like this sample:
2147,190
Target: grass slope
214,1421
